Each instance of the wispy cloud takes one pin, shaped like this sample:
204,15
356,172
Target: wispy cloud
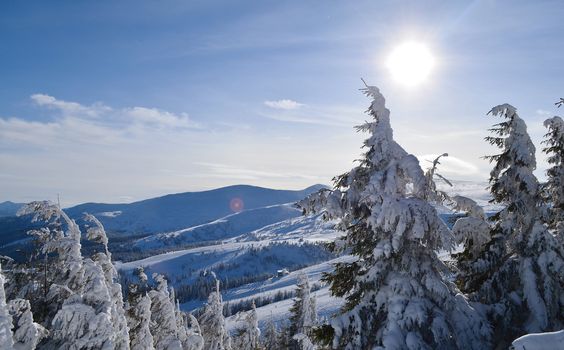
283,104
160,118
238,173
69,108
76,124
339,116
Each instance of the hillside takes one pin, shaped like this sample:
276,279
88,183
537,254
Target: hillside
178,211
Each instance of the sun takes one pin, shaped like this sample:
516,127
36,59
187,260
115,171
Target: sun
410,63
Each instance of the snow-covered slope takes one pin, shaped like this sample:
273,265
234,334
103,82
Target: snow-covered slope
540,341
169,213
226,227
305,228
248,261
183,210
274,285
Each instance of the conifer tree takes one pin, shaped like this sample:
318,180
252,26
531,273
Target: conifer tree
62,275
248,334
189,333
84,321
520,271
396,296
303,311
473,232
104,260
85,309
212,323
270,338
164,327
554,187
6,336
195,339
138,314
27,334
304,343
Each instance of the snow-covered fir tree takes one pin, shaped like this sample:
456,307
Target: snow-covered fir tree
473,232
84,321
189,332
270,335
62,271
395,292
248,332
554,187
194,339
97,234
84,300
138,314
139,321
212,323
6,336
27,334
520,271
304,343
164,327
303,311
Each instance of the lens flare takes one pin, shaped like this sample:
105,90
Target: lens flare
236,205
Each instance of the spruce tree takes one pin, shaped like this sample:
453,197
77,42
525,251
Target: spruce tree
83,299
212,323
6,336
27,334
97,234
138,314
84,321
195,339
164,327
61,271
270,335
473,232
554,187
248,332
303,311
520,271
395,294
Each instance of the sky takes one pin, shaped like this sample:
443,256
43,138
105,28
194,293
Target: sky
118,101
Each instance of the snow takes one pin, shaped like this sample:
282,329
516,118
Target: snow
182,210
6,341
279,313
226,227
540,341
110,214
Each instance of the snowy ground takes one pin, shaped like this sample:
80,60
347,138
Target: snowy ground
259,242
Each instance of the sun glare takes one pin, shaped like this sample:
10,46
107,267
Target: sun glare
410,63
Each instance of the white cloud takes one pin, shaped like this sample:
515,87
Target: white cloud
69,108
339,116
75,125
233,172
284,104
160,118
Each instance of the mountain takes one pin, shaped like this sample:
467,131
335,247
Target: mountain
175,219
179,211
226,227
9,208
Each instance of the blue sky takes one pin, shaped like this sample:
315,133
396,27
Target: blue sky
118,101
